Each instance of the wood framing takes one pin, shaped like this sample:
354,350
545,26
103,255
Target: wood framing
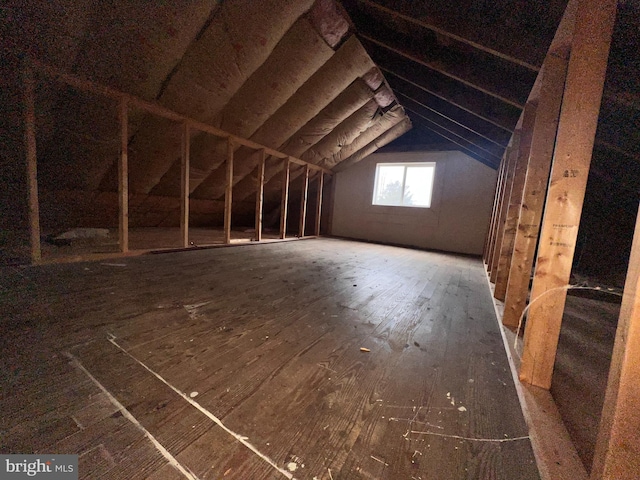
502,240
184,186
228,192
303,201
285,198
510,158
29,99
157,109
123,178
260,195
319,203
425,24
492,223
542,143
571,161
513,210
617,453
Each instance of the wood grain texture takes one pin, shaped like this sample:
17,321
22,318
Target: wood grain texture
571,162
554,72
269,337
123,178
260,195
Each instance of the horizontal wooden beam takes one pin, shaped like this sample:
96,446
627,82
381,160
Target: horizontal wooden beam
156,109
445,33
436,68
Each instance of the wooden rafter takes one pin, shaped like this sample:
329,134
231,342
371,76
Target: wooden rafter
433,66
457,38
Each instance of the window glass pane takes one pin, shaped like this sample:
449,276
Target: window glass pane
418,185
389,185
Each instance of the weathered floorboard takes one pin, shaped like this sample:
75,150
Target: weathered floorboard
269,336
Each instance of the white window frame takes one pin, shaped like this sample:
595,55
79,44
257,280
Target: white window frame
376,186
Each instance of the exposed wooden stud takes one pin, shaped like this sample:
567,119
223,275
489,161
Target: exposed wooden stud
572,158
303,201
513,209
617,452
29,99
502,212
228,192
492,224
260,195
285,198
319,203
448,100
440,31
503,235
157,109
542,143
433,66
123,178
184,185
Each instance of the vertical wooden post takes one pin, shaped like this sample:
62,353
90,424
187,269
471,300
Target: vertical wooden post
285,198
490,233
303,200
123,178
319,202
617,453
513,210
260,196
502,212
544,136
571,162
228,193
184,185
29,99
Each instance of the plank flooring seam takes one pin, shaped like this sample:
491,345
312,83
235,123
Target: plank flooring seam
211,416
125,413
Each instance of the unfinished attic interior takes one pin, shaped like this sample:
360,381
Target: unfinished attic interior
355,239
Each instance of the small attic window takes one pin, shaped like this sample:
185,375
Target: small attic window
404,184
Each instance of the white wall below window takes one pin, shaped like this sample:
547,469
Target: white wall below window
460,210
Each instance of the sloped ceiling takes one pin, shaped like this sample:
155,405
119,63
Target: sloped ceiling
329,82
288,74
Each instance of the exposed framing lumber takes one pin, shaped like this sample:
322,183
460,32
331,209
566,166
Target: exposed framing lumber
513,209
184,185
29,99
260,195
319,203
449,119
285,198
502,211
442,71
157,109
445,33
123,178
491,159
545,126
228,192
571,161
303,201
492,223
617,453
496,212
445,99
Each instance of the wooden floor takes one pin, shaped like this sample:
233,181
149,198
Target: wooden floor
246,363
